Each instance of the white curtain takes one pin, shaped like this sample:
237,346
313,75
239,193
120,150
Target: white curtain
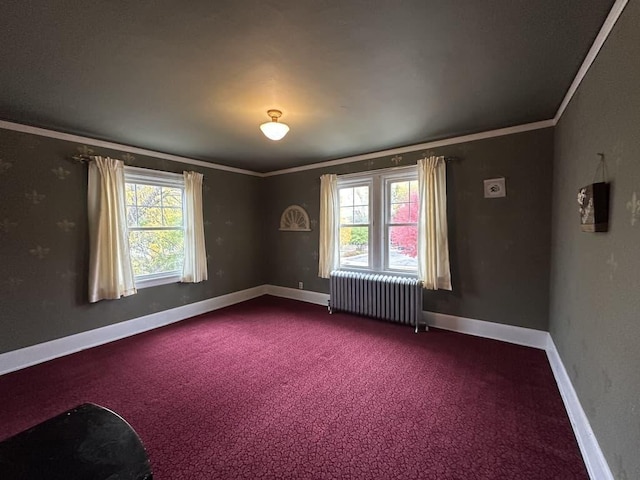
110,273
329,253
433,243
194,269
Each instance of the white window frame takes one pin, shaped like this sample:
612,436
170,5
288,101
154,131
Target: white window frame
354,183
379,212
146,176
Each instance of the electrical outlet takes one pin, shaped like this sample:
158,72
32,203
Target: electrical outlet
300,285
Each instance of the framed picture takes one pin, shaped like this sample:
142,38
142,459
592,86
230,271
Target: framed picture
495,188
593,201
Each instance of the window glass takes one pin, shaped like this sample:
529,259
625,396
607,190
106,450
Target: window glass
354,226
155,221
156,251
402,228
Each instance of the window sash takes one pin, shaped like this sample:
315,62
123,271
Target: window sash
147,176
369,225
147,229
389,181
156,178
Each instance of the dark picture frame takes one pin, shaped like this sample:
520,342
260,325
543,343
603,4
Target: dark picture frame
593,200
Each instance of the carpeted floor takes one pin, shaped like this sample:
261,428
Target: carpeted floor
273,388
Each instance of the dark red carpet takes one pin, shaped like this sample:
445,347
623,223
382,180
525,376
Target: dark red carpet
280,389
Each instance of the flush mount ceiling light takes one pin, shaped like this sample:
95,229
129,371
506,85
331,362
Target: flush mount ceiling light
274,130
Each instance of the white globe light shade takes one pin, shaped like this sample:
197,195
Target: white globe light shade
274,130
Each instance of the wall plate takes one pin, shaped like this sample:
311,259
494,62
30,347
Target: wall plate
495,188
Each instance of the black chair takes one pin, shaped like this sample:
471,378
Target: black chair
88,442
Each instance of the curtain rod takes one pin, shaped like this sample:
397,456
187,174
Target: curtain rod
85,158
82,158
387,169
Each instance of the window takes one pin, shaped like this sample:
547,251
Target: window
155,218
355,227
401,226
379,221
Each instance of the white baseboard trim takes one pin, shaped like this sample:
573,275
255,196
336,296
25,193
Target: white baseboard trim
480,328
28,356
591,453
294,294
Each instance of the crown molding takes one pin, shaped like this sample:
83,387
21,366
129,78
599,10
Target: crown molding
412,148
43,132
602,36
18,127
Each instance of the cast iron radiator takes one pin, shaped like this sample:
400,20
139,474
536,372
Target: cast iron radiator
398,299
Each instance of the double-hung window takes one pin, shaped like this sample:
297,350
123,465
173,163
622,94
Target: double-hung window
379,221
155,219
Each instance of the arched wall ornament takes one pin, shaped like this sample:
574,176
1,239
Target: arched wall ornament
294,219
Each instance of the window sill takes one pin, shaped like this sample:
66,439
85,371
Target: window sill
156,280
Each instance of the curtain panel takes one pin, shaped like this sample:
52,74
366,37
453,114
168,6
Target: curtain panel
433,242
110,272
329,228
194,268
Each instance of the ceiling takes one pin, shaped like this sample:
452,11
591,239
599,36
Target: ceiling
196,78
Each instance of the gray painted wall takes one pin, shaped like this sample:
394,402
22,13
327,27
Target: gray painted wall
595,278
499,247
492,241
46,298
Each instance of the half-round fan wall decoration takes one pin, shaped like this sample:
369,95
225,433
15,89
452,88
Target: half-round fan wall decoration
294,219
